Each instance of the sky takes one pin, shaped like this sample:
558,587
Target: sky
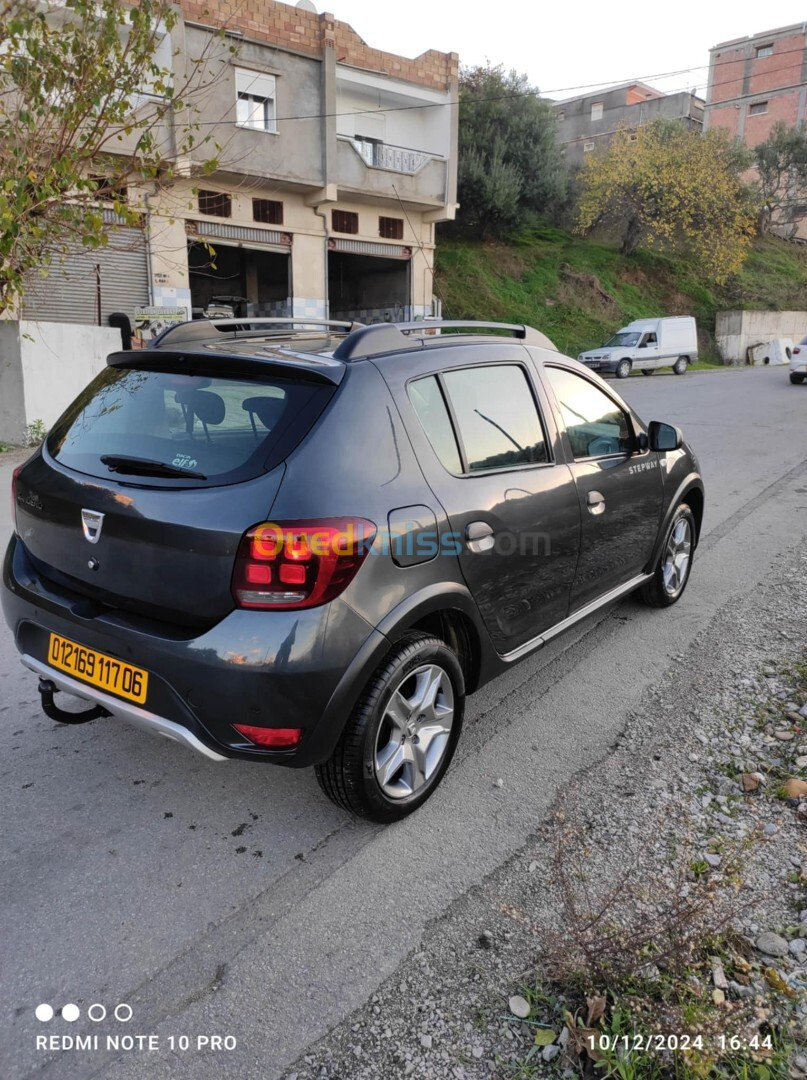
564,45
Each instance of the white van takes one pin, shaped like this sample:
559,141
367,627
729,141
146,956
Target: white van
647,344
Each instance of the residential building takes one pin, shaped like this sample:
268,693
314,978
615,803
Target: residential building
336,161
754,83
589,122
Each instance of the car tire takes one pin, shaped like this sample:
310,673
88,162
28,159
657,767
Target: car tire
796,378
648,371
680,366
668,582
381,769
623,369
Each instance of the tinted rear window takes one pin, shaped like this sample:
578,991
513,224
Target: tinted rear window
226,428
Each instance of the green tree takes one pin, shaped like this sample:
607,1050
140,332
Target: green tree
781,164
88,104
669,187
509,159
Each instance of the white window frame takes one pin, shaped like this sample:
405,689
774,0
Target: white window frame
255,101
762,51
588,147
757,108
596,111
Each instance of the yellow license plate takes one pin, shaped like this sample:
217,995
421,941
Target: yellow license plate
90,666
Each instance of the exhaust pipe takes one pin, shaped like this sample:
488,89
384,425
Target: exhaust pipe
52,710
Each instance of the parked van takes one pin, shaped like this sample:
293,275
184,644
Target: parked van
647,344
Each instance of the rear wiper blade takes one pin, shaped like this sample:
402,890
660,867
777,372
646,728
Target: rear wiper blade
122,463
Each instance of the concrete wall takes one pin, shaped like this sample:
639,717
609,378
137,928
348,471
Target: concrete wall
737,331
43,366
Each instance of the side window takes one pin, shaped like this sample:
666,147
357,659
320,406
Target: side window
595,425
427,401
497,417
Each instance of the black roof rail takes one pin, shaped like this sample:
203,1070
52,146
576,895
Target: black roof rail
390,337
200,330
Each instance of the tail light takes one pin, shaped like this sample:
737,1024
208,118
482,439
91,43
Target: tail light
796,349
14,476
299,564
282,738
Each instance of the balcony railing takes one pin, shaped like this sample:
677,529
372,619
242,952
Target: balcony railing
380,155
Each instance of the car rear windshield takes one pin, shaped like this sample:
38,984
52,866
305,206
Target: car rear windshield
171,427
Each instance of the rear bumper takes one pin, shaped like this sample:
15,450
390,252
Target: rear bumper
300,669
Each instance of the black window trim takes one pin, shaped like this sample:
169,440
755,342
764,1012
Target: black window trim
562,423
466,473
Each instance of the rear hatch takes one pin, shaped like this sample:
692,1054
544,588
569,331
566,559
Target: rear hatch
147,483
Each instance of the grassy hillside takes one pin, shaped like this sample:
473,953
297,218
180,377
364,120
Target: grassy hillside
579,291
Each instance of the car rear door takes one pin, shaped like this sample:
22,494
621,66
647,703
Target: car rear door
489,455
620,488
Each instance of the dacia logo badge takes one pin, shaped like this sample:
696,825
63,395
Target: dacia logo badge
92,522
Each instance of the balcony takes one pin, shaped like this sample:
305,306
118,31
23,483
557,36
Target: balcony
376,169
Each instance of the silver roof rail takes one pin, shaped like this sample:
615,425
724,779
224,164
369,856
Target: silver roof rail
200,330
389,337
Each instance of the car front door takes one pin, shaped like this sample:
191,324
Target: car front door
647,353
619,486
512,505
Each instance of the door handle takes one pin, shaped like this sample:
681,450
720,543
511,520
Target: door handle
595,500
479,536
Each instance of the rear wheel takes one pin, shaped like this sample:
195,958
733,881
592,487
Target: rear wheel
672,570
796,378
401,735
623,369
680,366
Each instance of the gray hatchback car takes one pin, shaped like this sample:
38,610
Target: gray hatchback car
305,544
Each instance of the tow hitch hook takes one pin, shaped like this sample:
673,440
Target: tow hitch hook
51,709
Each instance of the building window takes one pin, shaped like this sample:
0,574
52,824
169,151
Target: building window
390,228
758,108
596,110
110,190
215,203
764,50
255,100
588,147
345,221
561,115
267,211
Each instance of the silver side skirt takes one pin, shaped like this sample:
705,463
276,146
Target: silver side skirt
576,617
123,710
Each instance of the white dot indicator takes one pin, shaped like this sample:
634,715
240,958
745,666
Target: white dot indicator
44,1012
96,1012
123,1012
71,1012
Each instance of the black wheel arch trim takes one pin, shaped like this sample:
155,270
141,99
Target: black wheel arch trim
690,483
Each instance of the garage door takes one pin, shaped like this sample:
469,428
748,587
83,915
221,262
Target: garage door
70,292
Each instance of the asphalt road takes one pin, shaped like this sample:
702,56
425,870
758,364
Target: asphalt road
234,900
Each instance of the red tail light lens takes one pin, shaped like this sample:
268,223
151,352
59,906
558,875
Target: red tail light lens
279,738
14,476
796,350
299,564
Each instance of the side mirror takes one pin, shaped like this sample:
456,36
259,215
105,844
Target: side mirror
664,436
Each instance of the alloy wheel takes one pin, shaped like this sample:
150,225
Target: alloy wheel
677,557
414,732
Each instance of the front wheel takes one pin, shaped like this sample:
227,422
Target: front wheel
796,378
680,366
401,736
672,569
623,369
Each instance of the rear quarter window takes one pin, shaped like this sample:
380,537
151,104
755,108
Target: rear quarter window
224,428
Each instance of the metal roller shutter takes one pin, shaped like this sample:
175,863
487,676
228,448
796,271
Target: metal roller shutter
70,291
